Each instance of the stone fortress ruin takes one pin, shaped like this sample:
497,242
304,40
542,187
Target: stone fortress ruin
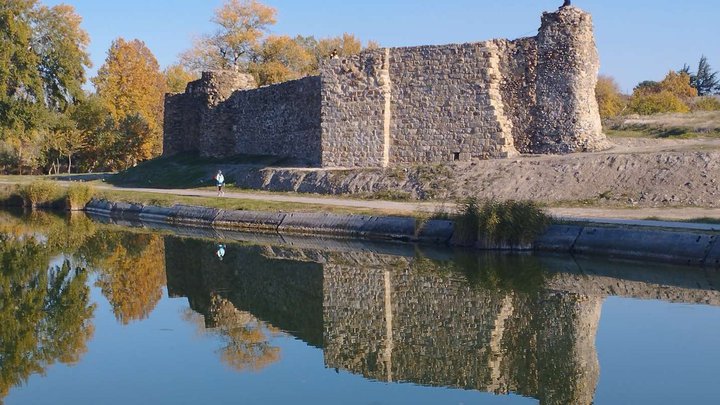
410,105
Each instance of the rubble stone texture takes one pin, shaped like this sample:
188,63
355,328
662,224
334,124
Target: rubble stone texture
412,105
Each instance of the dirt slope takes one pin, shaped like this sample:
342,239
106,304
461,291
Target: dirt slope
635,172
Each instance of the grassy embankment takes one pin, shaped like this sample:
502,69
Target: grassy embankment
699,124
49,194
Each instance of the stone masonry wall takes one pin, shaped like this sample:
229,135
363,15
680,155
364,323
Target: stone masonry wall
412,105
354,92
280,120
446,104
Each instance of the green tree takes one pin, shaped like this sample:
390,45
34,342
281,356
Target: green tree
42,68
94,119
61,45
706,81
45,313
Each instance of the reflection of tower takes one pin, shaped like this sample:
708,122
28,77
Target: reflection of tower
388,325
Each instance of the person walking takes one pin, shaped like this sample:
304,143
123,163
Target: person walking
220,179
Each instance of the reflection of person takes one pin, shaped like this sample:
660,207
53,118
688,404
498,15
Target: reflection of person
220,251
220,179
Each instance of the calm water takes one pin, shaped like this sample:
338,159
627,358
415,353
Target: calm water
94,313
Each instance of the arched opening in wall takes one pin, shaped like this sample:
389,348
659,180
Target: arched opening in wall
456,156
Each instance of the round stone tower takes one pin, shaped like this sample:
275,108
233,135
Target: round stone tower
566,114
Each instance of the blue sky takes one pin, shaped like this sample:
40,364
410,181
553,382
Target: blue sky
637,39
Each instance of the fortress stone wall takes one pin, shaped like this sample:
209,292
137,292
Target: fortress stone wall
411,105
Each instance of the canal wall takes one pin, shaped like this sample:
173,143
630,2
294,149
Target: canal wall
645,241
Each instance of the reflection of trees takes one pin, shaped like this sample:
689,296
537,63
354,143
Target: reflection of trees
44,315
247,346
132,271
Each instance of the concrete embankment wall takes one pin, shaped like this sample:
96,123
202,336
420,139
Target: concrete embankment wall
696,247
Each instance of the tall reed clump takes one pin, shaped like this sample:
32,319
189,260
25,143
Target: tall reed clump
39,193
509,225
78,195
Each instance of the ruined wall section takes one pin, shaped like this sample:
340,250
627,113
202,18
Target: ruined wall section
187,114
412,105
447,104
567,117
280,120
354,110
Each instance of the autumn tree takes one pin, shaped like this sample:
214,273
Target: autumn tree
610,99
673,94
130,84
241,27
344,45
280,59
177,78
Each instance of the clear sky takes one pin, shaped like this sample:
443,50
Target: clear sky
637,39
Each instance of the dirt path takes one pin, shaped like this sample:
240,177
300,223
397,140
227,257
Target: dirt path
410,207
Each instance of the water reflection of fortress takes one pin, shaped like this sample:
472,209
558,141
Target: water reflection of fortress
488,323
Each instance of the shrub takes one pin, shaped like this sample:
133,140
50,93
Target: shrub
662,102
706,104
508,224
78,194
466,223
39,193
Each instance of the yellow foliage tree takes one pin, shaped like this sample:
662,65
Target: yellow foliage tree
280,59
130,83
672,94
344,45
610,99
679,85
177,78
241,28
657,103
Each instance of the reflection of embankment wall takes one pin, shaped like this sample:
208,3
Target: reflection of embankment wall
408,105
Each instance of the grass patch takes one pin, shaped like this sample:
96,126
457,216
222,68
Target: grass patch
500,225
189,170
700,220
167,200
699,124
